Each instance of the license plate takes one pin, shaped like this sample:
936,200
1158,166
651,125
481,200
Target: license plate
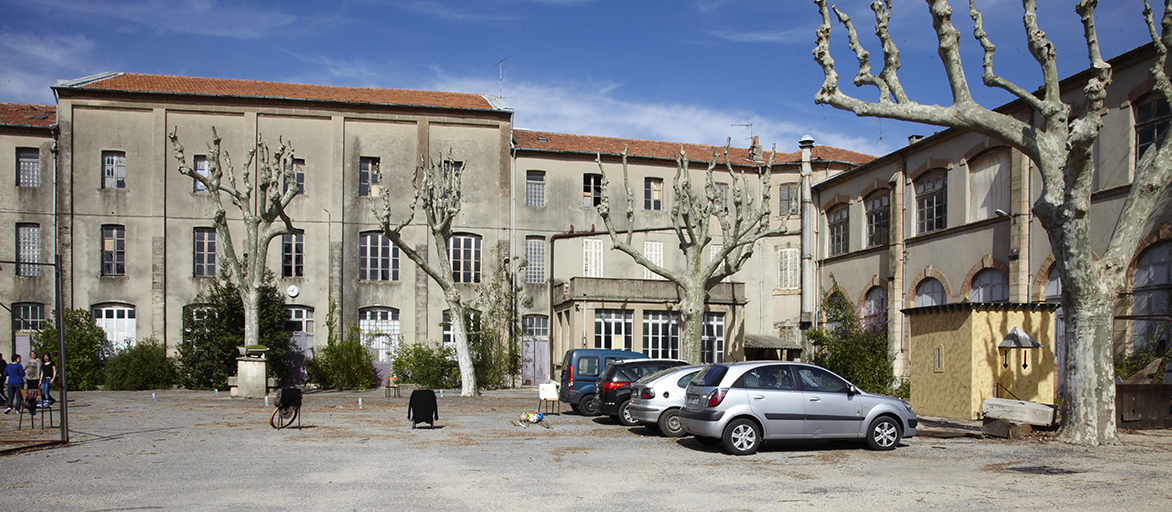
693,399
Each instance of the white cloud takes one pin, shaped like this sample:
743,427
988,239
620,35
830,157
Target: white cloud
794,35
441,10
56,57
199,17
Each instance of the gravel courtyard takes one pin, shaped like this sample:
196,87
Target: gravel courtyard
191,450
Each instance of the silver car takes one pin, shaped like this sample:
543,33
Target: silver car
657,398
743,404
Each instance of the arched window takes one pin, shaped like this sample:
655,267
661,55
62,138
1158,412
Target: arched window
1152,289
118,322
930,292
380,331
931,203
989,286
875,306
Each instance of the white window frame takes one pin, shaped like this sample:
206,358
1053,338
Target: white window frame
114,169
378,257
613,328
28,316
652,194
653,251
661,334
199,164
464,253
203,248
380,330
591,190
117,321
535,327
293,254
368,167
592,257
712,338
930,292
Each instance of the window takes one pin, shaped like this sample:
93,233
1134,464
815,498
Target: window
535,188
613,328
199,164
652,193
875,307
989,185
661,334
714,251
205,252
113,250
28,316
787,199
28,167
592,258
817,379
464,253
591,189
839,230
1152,119
471,324
300,319
929,293
378,258
1152,293
989,286
117,321
878,219
722,196
368,177
28,249
298,176
113,169
534,259
293,254
380,331
654,252
535,327
790,264
712,339
930,203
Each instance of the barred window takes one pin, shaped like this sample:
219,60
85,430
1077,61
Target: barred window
380,331
535,188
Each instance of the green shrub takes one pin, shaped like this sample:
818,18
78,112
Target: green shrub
213,326
1127,366
426,366
857,350
86,348
344,364
143,365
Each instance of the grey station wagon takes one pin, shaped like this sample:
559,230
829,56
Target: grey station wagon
743,404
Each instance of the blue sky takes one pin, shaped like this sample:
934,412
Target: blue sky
681,70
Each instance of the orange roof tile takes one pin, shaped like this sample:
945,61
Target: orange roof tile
565,142
133,82
20,114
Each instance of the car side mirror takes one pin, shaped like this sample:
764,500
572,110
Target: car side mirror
852,390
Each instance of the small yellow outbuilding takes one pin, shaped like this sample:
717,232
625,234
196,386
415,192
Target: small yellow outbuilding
962,354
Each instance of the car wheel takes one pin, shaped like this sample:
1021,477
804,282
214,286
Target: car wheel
708,441
587,406
575,408
883,434
624,417
669,423
742,437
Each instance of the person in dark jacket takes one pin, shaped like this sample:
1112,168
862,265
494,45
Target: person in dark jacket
14,380
3,366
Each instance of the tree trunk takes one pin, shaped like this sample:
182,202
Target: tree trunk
250,298
1088,401
692,318
456,312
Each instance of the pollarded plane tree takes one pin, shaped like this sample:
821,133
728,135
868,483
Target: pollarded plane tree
437,193
1060,144
262,201
741,224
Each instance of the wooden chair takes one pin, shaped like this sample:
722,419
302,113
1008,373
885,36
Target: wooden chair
392,387
28,402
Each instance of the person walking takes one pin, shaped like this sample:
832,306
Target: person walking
48,375
32,377
13,380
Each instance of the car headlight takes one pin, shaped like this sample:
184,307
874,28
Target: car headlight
908,407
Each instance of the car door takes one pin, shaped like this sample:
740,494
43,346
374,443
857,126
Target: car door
831,411
776,400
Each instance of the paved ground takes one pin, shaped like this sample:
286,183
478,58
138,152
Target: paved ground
191,450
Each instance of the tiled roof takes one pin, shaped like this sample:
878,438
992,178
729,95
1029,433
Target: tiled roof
565,142
133,82
20,114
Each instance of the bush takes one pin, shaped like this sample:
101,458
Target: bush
86,348
428,367
143,365
344,364
856,350
214,327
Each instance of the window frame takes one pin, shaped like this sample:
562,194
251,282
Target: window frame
652,194
368,173
611,323
878,208
28,176
199,164
933,201
203,248
661,334
28,316
1148,116
293,254
591,190
465,267
28,251
982,283
377,267
938,296
712,339
127,323
592,258
838,230
382,335
535,188
114,170
114,258
534,259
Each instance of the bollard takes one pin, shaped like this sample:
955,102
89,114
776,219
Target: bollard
266,400
359,402
152,396
217,392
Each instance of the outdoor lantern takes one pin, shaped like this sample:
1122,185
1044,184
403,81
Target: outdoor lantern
1017,338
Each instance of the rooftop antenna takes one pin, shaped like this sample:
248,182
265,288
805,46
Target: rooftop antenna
750,125
501,77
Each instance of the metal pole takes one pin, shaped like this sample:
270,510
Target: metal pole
61,352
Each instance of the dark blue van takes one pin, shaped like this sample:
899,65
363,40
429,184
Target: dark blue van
580,370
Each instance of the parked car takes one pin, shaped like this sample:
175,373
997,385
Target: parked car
657,398
743,404
614,385
580,370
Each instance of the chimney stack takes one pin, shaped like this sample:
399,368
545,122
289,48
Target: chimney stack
755,151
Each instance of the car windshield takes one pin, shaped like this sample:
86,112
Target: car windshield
657,374
710,376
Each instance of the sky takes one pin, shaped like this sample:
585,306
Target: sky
698,71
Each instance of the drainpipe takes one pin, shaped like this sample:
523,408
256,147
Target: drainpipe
807,266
